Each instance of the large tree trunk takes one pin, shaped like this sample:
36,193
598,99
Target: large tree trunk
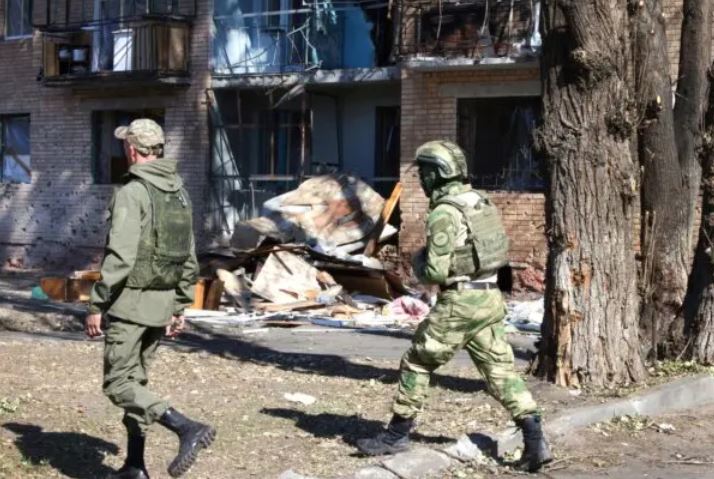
590,331
700,295
665,200
692,86
691,93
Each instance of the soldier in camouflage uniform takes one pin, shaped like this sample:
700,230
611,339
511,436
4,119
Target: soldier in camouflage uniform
147,279
466,244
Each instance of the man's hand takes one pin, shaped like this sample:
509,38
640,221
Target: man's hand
178,323
93,325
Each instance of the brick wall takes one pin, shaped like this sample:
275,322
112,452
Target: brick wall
428,114
57,221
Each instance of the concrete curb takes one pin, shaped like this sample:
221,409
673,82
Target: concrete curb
417,463
675,396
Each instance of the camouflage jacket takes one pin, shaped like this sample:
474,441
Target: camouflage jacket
445,231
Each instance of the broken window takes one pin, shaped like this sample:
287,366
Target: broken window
258,150
18,18
277,36
15,149
492,30
496,135
109,161
387,151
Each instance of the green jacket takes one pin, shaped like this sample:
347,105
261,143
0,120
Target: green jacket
130,214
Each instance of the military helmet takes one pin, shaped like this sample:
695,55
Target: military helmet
446,156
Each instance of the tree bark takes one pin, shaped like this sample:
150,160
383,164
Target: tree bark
590,330
691,94
699,312
692,87
666,224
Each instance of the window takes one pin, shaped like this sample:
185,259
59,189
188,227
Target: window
387,150
15,149
18,18
109,162
496,135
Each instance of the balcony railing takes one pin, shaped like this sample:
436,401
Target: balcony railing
127,50
316,35
64,15
478,30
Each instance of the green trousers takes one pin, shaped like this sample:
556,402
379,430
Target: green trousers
128,350
471,319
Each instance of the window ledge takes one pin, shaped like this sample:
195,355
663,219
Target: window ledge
16,39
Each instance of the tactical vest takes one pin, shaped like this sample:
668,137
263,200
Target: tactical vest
486,248
165,245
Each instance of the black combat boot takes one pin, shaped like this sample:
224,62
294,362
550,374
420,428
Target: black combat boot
395,439
536,452
193,436
134,467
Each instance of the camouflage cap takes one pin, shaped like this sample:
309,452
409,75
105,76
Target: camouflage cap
143,134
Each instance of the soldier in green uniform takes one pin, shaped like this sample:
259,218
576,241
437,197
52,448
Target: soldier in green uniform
147,280
466,245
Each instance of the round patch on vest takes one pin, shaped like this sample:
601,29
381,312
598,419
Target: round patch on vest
441,239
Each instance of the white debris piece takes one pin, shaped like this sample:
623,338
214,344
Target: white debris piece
301,398
526,315
666,427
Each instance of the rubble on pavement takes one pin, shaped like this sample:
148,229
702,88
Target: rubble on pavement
305,260
316,255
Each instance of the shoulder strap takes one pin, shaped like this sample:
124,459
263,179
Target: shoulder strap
148,187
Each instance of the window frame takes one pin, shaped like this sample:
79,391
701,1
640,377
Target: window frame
3,119
505,104
26,4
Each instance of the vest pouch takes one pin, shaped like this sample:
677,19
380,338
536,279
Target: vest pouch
463,261
166,271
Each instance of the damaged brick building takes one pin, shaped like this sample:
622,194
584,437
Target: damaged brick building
255,96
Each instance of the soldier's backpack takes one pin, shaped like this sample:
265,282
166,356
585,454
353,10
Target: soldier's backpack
164,249
486,249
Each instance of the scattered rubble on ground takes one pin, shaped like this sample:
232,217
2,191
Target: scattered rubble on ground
316,255
313,257
526,315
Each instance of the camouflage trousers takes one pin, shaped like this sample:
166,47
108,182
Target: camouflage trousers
128,350
473,320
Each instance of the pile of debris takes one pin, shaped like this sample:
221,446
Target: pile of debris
310,257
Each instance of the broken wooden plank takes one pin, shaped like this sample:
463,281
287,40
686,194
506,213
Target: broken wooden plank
286,278
89,275
199,294
213,296
54,287
373,244
294,306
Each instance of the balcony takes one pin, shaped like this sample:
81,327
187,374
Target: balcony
292,36
116,43
470,32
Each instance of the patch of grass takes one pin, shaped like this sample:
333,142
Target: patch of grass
628,423
679,368
9,406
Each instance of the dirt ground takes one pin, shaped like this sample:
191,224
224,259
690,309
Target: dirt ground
54,421
667,447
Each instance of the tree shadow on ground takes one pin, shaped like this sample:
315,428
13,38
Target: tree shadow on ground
72,454
310,363
348,428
